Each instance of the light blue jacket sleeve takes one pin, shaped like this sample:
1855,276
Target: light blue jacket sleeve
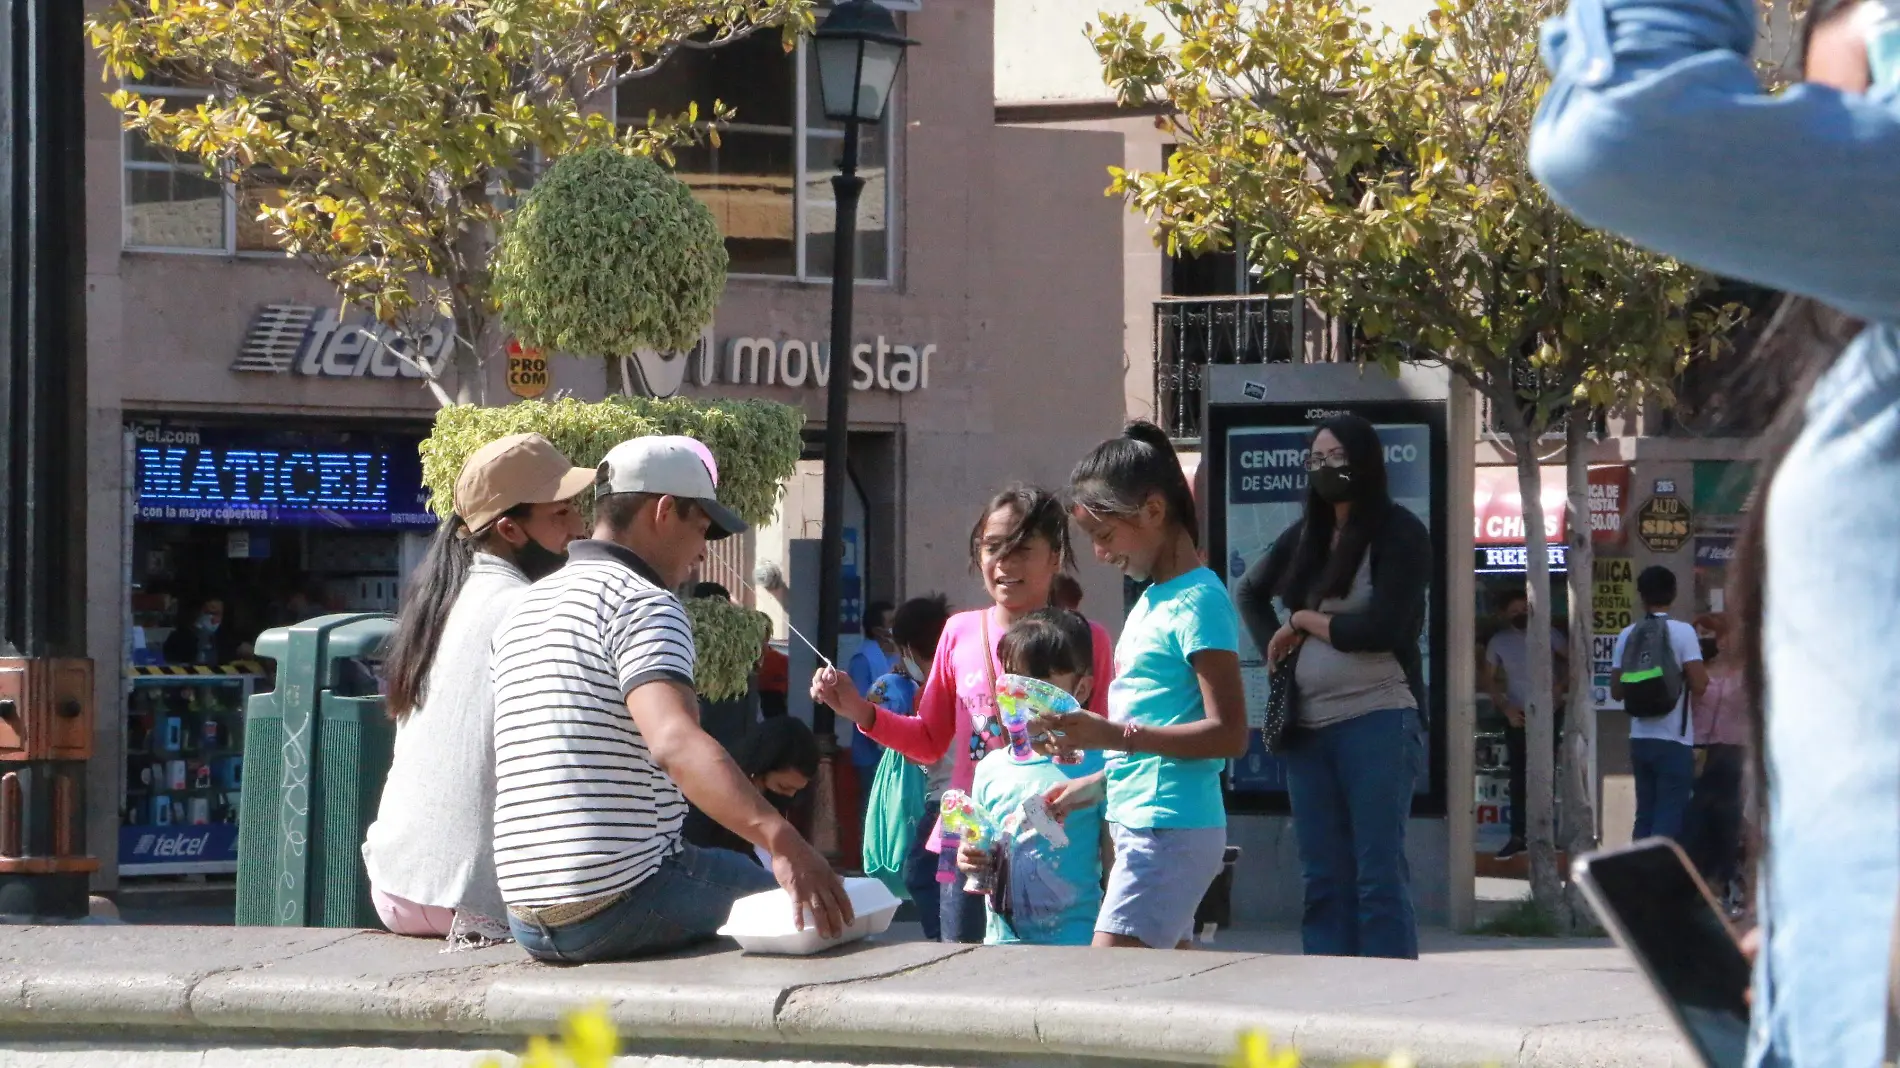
1656,128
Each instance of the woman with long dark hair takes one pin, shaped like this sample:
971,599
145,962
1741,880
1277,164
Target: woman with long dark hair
430,853
780,756
1657,127
1351,576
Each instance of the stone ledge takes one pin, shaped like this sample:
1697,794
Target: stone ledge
321,988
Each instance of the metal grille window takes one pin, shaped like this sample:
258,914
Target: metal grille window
768,181
1192,332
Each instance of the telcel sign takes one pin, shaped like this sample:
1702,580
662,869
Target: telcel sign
318,343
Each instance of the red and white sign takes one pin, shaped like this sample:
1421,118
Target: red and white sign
1609,504
1498,508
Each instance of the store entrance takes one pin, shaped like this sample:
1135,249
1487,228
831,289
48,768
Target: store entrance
1500,581
232,531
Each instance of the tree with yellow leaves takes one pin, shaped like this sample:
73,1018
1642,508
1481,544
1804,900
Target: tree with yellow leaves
380,142
1383,174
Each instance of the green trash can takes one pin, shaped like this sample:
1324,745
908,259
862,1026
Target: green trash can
316,751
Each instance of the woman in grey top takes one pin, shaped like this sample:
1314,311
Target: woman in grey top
1352,576
430,853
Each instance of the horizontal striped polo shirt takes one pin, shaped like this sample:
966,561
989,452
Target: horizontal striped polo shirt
581,809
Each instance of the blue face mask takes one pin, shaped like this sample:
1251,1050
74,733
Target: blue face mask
208,624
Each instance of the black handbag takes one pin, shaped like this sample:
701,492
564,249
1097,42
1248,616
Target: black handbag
1275,737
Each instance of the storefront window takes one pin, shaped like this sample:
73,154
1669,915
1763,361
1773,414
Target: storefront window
768,182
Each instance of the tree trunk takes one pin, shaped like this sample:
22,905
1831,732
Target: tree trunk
1577,789
1539,713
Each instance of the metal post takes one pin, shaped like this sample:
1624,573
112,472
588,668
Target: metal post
46,694
846,187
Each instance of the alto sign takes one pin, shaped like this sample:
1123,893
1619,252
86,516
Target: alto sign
317,343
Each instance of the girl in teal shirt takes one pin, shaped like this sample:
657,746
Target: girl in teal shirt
1176,708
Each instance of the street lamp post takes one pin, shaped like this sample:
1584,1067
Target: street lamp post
46,684
859,51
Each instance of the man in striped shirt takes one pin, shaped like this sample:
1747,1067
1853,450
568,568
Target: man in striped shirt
598,746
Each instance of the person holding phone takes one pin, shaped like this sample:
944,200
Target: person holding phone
1656,126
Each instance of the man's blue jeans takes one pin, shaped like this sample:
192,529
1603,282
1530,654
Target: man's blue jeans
1665,780
684,902
1351,788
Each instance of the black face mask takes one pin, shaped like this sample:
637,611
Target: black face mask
1333,484
1708,649
779,801
1520,621
537,561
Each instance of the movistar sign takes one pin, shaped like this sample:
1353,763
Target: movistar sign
317,342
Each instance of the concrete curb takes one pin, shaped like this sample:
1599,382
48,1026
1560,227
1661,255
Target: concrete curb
312,989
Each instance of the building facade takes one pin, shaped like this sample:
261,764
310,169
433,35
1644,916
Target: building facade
250,445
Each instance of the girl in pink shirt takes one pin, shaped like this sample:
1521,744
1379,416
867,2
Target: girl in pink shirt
1019,545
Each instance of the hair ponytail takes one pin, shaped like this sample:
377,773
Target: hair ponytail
425,610
1119,476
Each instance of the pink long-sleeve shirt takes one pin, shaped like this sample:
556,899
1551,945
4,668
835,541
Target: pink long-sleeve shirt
958,693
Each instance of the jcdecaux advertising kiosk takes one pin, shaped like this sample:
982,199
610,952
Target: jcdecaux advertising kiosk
1259,421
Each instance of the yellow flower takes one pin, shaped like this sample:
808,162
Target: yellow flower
590,1039
587,1041
1256,1051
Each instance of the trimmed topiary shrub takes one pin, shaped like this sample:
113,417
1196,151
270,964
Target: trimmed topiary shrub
755,443
728,639
608,253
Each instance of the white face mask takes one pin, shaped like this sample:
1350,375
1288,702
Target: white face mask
910,666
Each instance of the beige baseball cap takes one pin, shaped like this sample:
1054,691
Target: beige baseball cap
673,465
518,469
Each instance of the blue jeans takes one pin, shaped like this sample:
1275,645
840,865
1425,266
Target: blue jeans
1832,873
685,901
920,875
1665,780
961,915
1351,788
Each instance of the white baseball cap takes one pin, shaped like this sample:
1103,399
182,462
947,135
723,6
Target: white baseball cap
673,465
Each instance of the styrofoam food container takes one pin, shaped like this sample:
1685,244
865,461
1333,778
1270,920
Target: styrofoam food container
762,923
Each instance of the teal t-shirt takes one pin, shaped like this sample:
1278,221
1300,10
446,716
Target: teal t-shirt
1000,786
1155,686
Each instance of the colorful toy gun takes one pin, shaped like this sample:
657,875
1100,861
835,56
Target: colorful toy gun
1022,700
966,822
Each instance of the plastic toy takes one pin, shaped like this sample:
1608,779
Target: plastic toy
1022,700
965,821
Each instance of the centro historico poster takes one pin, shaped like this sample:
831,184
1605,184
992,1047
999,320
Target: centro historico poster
1266,496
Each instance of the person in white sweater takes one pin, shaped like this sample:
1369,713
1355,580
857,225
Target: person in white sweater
430,853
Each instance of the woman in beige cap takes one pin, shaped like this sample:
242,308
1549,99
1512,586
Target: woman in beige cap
430,852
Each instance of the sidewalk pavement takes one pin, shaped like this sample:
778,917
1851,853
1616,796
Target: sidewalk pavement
125,994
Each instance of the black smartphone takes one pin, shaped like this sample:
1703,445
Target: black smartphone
1659,909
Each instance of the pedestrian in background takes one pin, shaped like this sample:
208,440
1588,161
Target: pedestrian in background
1351,576
1662,746
874,659
917,627
780,757
1506,676
430,853
1019,544
1176,710
1655,126
1712,832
